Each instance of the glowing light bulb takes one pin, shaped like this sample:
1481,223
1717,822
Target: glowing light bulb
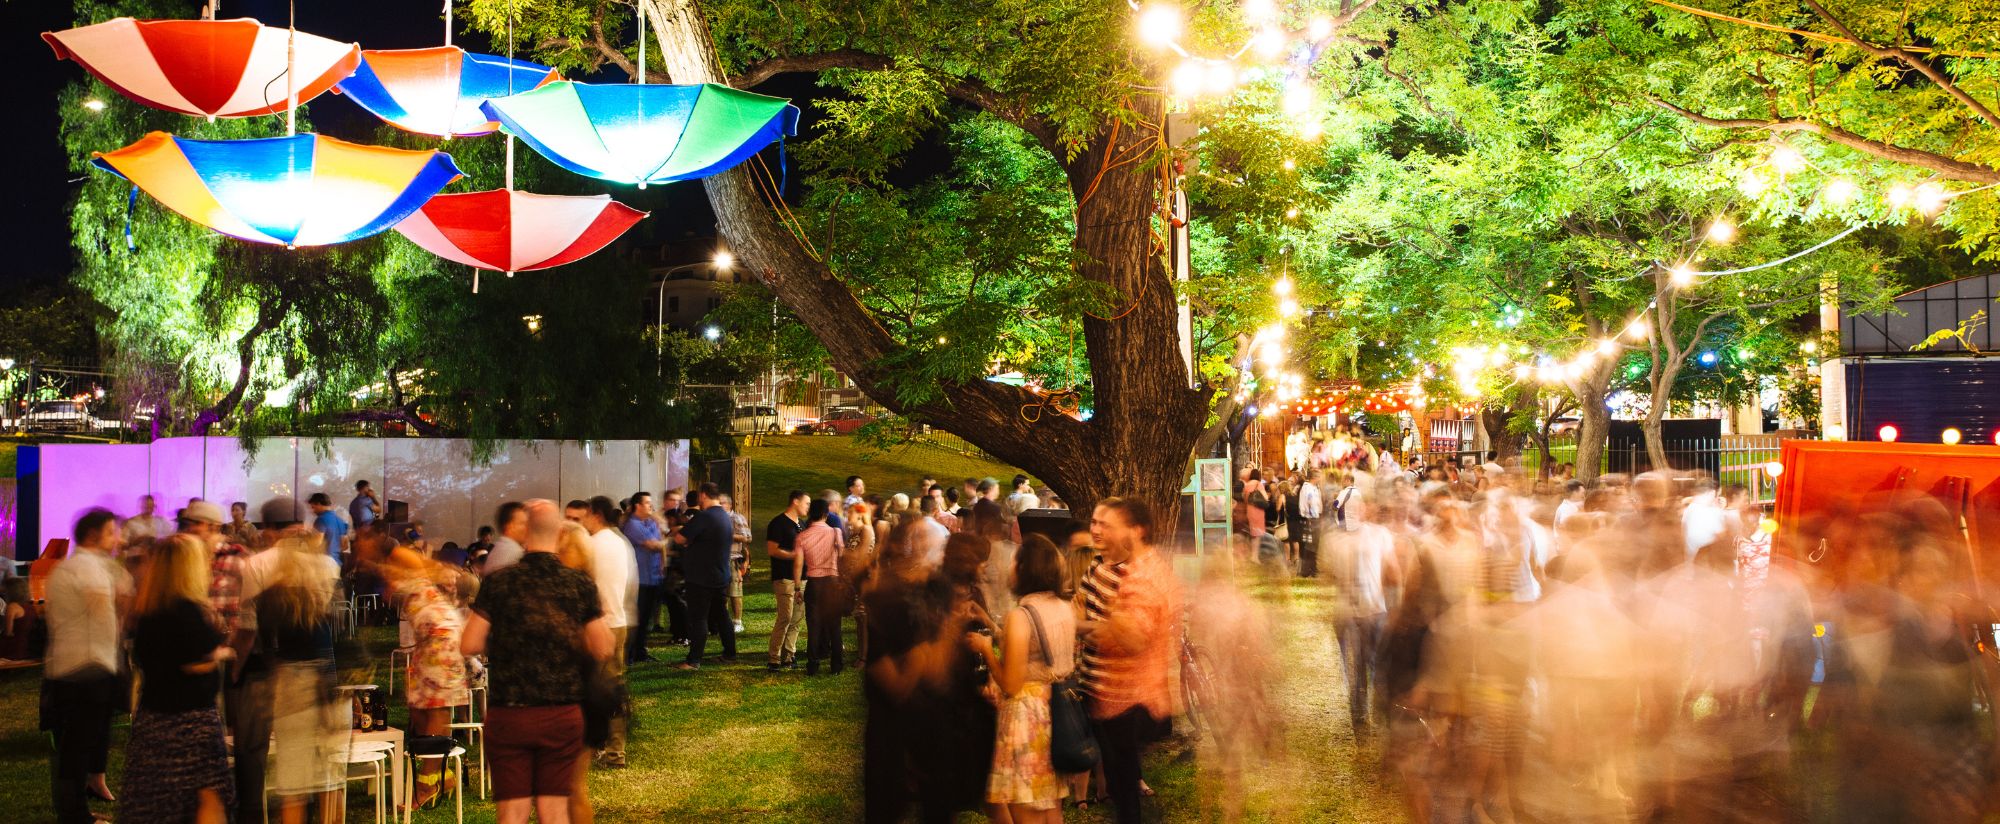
1787,160
1269,43
724,259
1219,77
1888,433
1721,231
1292,213
1187,78
1774,469
1311,129
94,104
1288,307
1319,28
1708,358
1258,11
1809,347
1840,191
1290,164
1607,346
1638,330
1950,436
1752,184
1900,195
1283,287
1930,198
1160,24
1835,432
1681,275
1297,100
1521,372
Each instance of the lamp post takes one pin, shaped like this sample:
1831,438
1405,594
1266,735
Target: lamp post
722,261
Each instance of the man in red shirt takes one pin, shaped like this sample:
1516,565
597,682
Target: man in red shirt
1131,606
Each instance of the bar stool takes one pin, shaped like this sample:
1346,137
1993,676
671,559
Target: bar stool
475,738
408,653
447,761
373,767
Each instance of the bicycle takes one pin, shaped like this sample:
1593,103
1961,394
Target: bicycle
1198,693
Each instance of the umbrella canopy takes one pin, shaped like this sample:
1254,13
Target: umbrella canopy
304,190
513,231
644,133
215,68
437,91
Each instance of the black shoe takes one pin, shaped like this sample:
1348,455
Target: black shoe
727,659
812,668
775,667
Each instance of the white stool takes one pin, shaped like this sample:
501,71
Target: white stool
374,769
475,737
447,761
408,653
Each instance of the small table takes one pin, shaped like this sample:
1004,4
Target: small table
393,737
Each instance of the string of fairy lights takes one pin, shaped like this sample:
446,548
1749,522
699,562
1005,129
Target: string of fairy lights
1283,44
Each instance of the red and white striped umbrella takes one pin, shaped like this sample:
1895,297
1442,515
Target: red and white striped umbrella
511,231
210,68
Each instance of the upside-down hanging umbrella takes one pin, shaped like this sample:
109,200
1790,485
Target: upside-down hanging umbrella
437,91
511,231
215,68
303,190
644,133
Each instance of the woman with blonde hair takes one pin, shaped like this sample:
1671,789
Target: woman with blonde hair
573,550
295,631
427,591
177,766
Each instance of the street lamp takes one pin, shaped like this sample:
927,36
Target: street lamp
712,333
722,261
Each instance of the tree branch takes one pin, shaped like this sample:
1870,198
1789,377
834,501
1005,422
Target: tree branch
1899,54
970,91
763,70
1948,167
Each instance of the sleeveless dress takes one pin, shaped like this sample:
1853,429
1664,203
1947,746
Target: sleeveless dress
1022,770
436,670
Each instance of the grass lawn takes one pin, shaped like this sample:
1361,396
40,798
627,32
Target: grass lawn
740,743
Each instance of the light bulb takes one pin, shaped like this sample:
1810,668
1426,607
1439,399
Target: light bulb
1270,43
1840,191
1607,346
1721,231
1637,330
1288,307
1681,275
1290,164
94,104
1752,184
1835,432
1900,195
1297,100
1787,160
1930,198
724,259
1292,213
1774,469
1160,24
1282,287
1320,28
1187,79
1950,436
1310,129
1888,433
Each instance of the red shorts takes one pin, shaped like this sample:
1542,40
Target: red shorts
533,751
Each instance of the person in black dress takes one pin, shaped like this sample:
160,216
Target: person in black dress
176,764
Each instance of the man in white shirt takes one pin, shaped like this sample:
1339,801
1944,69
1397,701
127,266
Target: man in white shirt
87,596
1360,558
1311,506
1704,519
1022,500
616,570
147,525
511,521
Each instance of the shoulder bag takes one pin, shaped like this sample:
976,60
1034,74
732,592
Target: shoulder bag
1072,746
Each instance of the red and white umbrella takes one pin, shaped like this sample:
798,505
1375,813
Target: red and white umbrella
210,68
510,231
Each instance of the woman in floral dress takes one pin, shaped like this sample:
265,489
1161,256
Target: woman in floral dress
1038,649
436,683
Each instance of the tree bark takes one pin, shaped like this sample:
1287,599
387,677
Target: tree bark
1145,416
246,358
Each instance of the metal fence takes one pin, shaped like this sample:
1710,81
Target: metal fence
1730,459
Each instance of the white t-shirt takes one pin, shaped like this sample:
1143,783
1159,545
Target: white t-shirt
1703,521
82,612
616,569
1018,503
262,569
1360,559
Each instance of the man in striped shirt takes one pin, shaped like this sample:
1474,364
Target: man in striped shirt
1131,606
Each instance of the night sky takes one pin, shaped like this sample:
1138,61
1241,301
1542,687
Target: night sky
36,226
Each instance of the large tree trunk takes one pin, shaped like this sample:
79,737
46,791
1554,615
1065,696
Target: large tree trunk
1145,416
1499,422
246,359
1593,418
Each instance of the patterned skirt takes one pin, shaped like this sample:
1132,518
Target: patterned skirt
171,758
1022,770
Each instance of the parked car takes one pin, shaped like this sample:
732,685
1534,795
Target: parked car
843,422
753,419
61,416
1564,426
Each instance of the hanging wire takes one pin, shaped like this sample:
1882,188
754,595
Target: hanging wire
291,88
510,92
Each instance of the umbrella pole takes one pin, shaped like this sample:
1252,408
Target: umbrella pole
447,23
291,88
639,76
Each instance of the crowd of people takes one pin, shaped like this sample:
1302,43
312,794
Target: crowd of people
1520,648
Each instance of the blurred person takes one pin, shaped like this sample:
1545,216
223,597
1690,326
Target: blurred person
1022,499
435,676
1572,502
780,542
1312,511
18,622
1256,503
147,525
332,530
512,520
86,600
614,568
1038,641
292,599
1704,518
672,514
1240,670
176,764
739,560
481,546
365,508
916,650
247,698
1131,624
935,530
650,548
1361,560
705,544
240,530
857,563
818,571
948,511
833,510
857,492
538,623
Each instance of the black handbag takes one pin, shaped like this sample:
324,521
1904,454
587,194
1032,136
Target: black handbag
1072,745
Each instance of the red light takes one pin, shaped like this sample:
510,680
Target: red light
1887,433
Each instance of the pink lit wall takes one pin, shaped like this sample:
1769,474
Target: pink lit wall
448,487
